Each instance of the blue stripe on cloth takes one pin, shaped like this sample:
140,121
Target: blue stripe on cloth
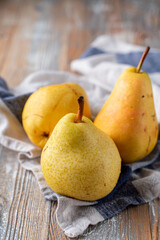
16,104
4,90
91,51
126,195
150,65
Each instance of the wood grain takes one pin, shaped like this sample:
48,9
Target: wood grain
23,208
45,34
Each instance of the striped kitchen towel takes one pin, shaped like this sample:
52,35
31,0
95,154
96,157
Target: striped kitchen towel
100,67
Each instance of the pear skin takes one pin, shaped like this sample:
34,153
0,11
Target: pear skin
129,117
79,160
45,107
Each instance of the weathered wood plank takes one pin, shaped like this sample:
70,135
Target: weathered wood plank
139,229
23,208
154,218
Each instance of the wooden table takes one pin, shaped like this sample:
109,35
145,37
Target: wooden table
37,34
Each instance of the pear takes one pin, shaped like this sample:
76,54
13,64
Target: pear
128,116
79,160
45,107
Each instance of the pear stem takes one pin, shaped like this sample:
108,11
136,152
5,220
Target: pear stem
78,118
138,69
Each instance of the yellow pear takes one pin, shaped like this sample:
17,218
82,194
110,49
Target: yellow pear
79,160
45,107
128,116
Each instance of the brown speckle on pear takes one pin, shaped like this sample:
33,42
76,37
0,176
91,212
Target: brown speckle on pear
45,134
45,149
145,129
149,141
38,115
153,117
